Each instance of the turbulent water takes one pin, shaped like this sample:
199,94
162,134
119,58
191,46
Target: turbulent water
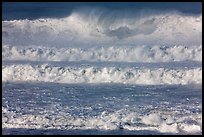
98,71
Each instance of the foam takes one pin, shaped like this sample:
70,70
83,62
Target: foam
131,75
152,119
156,53
190,127
120,119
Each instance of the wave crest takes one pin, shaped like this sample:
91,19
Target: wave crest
101,28
117,54
143,76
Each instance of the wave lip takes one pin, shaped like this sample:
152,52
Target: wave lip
139,76
156,53
101,27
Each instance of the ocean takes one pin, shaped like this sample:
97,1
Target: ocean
102,68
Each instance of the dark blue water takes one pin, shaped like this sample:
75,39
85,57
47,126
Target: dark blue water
34,10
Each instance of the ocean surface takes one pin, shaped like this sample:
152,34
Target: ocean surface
102,68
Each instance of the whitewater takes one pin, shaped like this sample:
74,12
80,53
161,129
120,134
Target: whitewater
99,71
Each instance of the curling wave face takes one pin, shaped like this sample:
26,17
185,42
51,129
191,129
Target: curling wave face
101,27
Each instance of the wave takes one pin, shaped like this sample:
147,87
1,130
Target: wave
140,76
163,122
116,54
100,27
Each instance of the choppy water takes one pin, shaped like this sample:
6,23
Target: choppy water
102,70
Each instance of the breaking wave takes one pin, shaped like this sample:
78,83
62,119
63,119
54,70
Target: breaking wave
141,76
99,35
102,27
117,54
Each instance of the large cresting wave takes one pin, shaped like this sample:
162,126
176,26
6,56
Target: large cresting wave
102,27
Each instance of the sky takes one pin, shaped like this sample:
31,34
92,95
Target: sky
33,10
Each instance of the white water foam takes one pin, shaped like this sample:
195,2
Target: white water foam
143,76
121,119
117,54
